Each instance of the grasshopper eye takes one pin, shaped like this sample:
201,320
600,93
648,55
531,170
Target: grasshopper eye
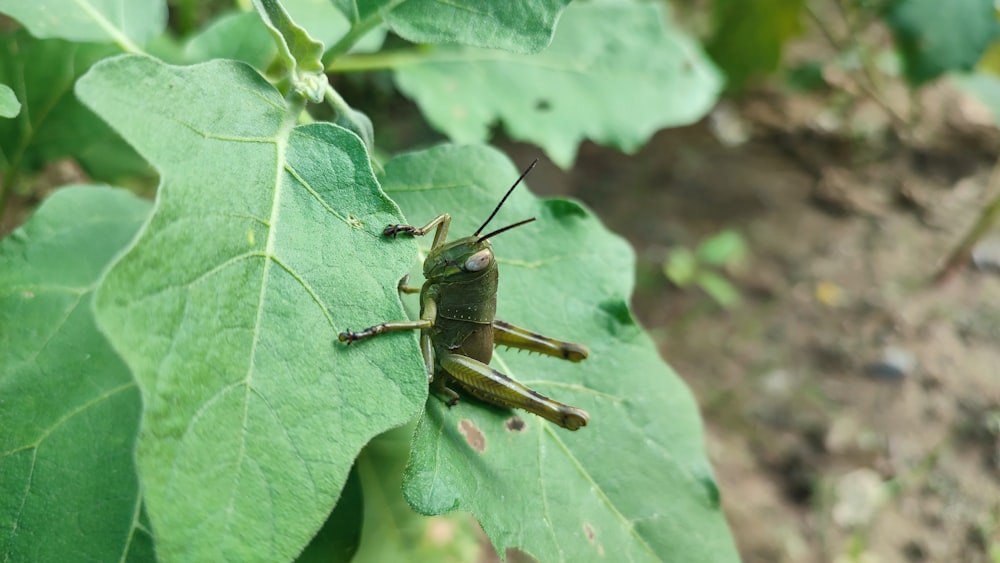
479,260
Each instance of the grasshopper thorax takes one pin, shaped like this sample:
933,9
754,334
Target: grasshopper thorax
464,258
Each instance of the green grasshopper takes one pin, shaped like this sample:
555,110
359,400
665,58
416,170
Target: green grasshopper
458,326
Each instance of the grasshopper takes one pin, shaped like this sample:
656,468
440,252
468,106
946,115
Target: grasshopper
458,325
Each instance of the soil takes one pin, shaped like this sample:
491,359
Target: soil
852,405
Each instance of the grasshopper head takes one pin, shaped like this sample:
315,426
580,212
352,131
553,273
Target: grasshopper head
467,257
470,257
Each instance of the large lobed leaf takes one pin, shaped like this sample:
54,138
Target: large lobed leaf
104,21
614,74
392,530
520,26
634,485
69,409
936,37
52,123
227,306
241,36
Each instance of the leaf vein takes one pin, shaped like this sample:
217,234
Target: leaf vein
604,497
309,290
24,499
305,184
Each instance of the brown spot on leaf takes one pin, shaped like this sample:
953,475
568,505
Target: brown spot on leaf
515,424
473,435
589,531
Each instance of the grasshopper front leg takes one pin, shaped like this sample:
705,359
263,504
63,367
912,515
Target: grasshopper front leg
506,334
493,387
426,321
442,222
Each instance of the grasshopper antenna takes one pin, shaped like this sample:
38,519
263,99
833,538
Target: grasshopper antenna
499,205
507,228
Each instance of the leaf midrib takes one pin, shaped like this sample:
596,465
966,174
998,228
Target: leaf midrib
116,35
281,146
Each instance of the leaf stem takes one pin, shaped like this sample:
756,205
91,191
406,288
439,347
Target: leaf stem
296,105
377,61
987,218
357,31
113,32
868,82
336,101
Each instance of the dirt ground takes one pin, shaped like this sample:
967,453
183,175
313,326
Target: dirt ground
852,406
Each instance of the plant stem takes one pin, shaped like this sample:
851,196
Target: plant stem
336,101
987,218
376,61
357,31
868,82
6,188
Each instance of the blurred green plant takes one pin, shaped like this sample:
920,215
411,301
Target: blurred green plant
748,38
959,43
171,381
704,266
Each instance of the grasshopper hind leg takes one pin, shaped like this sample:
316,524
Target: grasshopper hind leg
491,386
507,334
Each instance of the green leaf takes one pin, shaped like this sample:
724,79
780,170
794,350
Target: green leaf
340,536
240,36
125,22
722,248
635,483
228,305
327,21
70,407
934,40
681,266
718,288
351,119
614,74
749,36
520,27
392,530
358,11
53,124
301,53
9,106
